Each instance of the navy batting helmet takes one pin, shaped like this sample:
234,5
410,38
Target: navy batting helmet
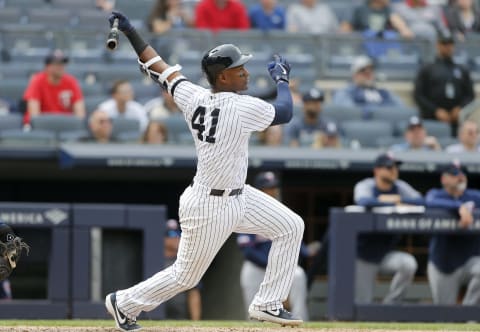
220,58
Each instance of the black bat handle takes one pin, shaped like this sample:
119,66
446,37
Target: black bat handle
112,39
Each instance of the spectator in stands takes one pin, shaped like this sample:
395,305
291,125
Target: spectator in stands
443,87
311,17
375,19
187,304
169,14
375,252
121,104
100,127
53,90
416,138
462,17
454,259
329,138
156,133
5,290
272,136
105,5
267,15
468,136
256,248
422,18
221,14
302,129
161,107
362,91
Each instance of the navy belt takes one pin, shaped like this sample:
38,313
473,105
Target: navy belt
221,192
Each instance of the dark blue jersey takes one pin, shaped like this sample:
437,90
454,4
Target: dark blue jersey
373,247
448,252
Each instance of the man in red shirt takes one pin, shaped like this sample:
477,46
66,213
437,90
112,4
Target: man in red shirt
221,14
54,91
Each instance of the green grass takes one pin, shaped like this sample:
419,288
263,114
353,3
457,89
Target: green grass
233,324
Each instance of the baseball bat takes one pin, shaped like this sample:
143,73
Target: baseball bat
113,35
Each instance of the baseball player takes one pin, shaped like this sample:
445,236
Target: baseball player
218,202
376,252
454,259
11,248
255,249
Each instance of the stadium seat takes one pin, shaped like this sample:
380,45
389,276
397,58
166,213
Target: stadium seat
433,127
18,137
27,43
176,128
50,17
12,15
123,127
366,132
13,88
57,123
339,114
11,121
394,115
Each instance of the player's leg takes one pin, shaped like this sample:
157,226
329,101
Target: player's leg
298,294
251,276
365,276
472,272
403,267
206,222
444,287
268,217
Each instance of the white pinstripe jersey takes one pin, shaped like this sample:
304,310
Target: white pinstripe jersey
221,125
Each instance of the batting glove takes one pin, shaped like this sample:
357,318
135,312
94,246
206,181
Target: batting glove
124,24
279,69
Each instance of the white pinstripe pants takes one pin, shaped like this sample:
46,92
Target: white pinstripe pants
207,222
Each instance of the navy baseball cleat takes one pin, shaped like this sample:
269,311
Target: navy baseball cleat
278,316
123,323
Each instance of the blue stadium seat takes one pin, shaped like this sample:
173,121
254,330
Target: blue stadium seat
124,126
11,121
11,15
339,114
13,88
433,127
57,123
50,17
394,115
18,137
366,132
177,128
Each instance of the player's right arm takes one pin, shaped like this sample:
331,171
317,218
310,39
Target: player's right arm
144,51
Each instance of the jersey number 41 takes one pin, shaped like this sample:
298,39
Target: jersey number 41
198,123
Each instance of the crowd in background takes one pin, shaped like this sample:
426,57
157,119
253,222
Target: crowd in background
441,89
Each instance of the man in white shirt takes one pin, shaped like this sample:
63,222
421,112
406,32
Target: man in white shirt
121,104
468,137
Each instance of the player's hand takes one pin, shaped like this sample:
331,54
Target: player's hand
279,69
124,24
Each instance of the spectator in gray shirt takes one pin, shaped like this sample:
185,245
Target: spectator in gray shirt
311,17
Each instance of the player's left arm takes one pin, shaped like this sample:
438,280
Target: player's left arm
279,69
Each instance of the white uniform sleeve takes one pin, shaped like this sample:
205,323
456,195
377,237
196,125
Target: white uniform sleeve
254,113
184,93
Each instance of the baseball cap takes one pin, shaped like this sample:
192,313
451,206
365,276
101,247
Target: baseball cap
360,63
331,129
266,180
386,160
56,56
454,168
414,121
445,36
313,94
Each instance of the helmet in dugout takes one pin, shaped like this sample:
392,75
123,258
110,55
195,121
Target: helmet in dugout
220,58
11,247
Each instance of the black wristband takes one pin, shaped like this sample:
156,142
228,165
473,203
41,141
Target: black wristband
138,44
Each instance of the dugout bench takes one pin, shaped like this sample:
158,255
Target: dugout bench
344,228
